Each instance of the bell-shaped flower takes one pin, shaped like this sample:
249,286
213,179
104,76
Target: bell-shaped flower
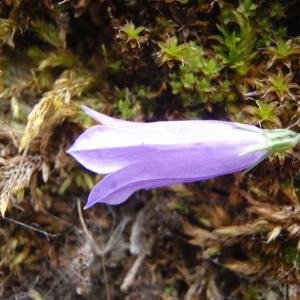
150,155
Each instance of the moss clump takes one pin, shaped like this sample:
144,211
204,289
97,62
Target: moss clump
160,60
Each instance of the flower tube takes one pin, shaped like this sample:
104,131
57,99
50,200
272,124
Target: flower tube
150,155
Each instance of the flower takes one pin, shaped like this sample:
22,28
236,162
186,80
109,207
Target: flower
150,155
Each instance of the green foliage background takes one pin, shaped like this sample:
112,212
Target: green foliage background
232,237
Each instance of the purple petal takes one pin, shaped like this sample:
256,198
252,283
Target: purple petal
105,120
209,162
105,149
160,125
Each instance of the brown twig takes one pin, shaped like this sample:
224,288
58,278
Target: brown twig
96,248
130,276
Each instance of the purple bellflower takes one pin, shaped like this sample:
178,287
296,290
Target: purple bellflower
150,155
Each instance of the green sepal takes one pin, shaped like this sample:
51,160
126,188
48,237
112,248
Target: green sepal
277,140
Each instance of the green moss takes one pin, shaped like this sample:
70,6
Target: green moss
165,60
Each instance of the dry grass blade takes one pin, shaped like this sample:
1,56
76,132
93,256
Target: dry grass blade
8,29
247,268
244,229
275,213
13,179
70,84
274,234
200,235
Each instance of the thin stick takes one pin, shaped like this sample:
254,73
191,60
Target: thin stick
95,247
86,231
130,276
43,232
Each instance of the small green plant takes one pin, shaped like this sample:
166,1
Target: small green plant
196,78
279,85
210,68
236,48
186,53
264,112
179,207
171,51
58,59
250,294
204,86
282,50
127,104
132,34
291,256
247,7
277,10
83,180
49,33
183,1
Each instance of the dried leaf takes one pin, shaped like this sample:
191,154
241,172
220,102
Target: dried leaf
273,213
244,229
45,171
244,267
293,292
274,234
15,178
8,29
290,193
35,295
294,229
21,257
4,201
212,291
200,235
219,216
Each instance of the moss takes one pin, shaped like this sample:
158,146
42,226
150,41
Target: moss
146,61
